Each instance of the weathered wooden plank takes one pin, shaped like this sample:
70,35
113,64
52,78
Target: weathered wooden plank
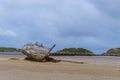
36,51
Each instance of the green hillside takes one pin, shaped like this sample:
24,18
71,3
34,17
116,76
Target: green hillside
8,49
112,52
74,51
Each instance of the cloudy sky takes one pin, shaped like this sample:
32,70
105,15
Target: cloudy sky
90,24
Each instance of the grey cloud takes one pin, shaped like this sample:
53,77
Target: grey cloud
80,23
109,7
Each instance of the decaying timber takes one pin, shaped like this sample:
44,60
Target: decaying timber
37,52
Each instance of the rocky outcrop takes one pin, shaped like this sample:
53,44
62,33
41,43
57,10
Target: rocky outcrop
74,52
112,52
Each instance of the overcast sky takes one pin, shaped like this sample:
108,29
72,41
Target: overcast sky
90,24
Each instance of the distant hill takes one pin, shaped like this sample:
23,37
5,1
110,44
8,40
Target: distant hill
74,51
8,49
112,52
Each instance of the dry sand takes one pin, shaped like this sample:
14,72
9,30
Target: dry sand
26,70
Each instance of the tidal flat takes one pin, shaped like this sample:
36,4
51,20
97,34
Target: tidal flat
94,68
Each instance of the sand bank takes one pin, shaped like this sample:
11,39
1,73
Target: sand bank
26,70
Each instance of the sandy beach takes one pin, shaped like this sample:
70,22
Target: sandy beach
27,70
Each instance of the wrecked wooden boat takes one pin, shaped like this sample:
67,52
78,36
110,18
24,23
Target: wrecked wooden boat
37,52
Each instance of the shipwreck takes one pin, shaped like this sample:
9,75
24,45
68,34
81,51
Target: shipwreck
37,52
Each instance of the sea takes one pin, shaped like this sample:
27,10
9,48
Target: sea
11,54
76,58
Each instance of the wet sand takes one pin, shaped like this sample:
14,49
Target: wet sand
26,70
